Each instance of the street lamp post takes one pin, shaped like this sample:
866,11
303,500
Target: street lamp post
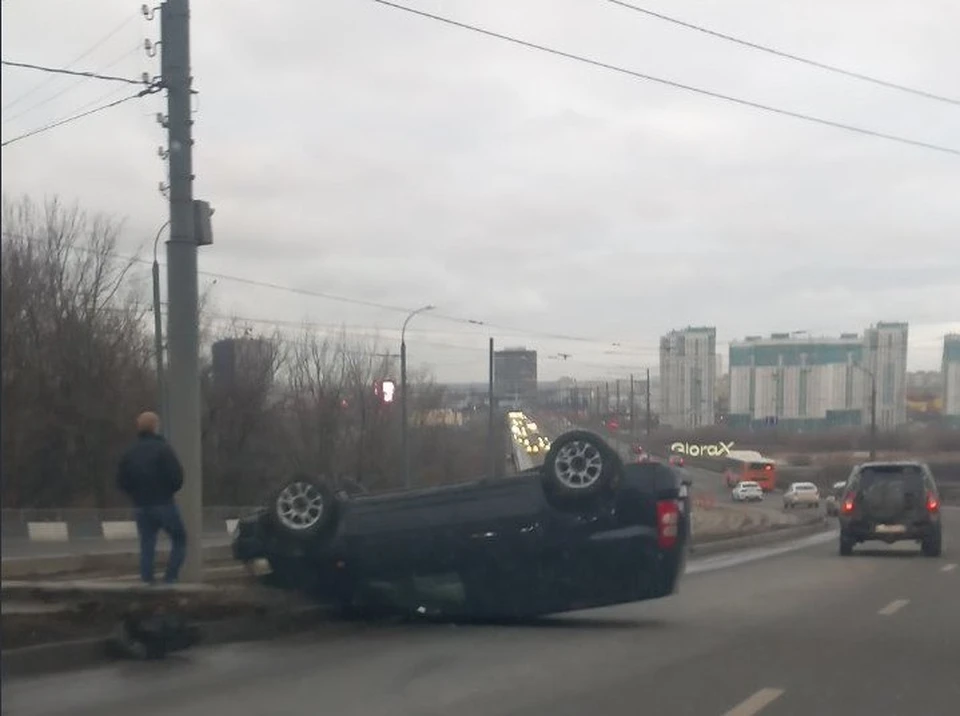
873,410
158,329
404,426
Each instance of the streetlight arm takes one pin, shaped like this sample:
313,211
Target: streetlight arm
156,241
422,309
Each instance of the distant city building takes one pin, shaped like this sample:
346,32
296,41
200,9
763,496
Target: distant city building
688,373
515,374
951,377
243,361
799,382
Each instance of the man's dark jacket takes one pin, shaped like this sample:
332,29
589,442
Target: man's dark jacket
150,472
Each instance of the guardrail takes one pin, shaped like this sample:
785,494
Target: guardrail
68,524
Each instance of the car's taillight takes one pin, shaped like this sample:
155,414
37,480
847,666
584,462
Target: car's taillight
847,506
668,523
933,502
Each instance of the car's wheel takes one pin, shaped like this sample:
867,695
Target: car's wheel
846,545
303,508
580,464
932,546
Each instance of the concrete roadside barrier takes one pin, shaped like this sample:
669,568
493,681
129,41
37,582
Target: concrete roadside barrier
20,527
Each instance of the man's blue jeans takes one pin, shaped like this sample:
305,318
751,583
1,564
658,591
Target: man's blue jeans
150,520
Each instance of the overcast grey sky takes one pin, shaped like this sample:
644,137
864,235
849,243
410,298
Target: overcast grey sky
353,149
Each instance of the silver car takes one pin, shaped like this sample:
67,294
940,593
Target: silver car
801,494
747,492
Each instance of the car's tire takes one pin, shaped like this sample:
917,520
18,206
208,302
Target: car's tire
580,464
932,546
846,545
303,509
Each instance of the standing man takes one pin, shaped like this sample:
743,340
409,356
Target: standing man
150,475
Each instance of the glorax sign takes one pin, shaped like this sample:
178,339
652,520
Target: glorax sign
694,450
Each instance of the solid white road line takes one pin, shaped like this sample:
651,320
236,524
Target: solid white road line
948,568
755,703
893,607
734,559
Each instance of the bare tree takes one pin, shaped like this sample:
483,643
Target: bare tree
75,363
77,366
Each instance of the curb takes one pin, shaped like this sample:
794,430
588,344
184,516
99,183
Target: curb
72,655
760,539
19,567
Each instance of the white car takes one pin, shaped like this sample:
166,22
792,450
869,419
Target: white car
804,494
747,492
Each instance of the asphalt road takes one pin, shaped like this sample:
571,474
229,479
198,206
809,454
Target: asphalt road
23,549
793,630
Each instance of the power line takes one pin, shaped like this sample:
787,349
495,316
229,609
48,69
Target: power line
66,120
624,351
671,83
481,351
71,87
72,73
433,315
787,55
96,45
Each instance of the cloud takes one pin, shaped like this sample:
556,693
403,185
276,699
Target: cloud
353,149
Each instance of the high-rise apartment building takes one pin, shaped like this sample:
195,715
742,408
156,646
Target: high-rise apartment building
951,377
885,357
688,373
515,374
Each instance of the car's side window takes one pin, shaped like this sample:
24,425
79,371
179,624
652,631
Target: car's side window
853,482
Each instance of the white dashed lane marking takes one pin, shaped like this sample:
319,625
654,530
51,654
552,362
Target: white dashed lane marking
755,703
893,607
948,568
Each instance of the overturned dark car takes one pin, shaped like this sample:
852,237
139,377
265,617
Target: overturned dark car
584,530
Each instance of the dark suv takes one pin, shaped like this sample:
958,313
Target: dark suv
891,502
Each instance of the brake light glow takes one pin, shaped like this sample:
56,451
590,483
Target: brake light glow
933,503
847,506
668,523
768,467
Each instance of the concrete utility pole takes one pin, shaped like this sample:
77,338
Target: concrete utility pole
183,333
491,420
633,406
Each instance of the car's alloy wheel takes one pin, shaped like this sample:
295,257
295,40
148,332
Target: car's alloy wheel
579,465
300,506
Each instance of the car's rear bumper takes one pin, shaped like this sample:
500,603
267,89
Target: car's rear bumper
863,532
